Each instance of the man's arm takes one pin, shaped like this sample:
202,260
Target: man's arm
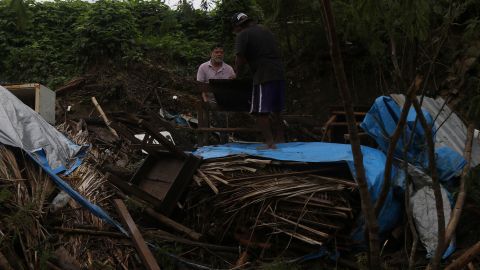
239,63
241,42
202,78
230,72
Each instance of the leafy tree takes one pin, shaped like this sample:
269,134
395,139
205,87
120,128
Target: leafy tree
107,30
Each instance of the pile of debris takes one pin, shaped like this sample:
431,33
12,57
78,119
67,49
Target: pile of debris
248,194
227,206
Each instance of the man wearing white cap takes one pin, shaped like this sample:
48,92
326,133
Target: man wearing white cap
256,45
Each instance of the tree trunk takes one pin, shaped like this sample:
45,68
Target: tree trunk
367,209
435,184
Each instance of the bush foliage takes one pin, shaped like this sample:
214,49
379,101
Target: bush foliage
50,42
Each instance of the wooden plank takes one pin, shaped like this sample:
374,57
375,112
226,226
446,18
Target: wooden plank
173,224
145,254
335,124
238,129
354,113
130,189
208,181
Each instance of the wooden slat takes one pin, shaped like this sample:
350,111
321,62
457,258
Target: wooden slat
334,124
138,241
238,129
173,224
354,113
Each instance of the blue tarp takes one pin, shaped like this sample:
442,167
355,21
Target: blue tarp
380,123
23,128
39,158
319,152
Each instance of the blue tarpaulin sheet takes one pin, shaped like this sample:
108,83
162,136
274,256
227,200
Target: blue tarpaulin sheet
40,159
320,152
23,128
380,123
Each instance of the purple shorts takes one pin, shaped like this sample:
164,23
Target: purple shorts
268,97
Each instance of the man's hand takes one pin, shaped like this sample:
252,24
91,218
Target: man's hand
203,87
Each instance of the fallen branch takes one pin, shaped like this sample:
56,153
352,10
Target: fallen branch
466,257
393,144
462,193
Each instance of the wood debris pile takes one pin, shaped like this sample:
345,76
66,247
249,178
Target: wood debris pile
42,227
271,198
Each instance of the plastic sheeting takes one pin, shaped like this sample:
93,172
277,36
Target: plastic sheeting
380,123
22,127
95,209
319,152
422,200
453,131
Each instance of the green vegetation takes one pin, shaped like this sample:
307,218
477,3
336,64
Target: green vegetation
385,42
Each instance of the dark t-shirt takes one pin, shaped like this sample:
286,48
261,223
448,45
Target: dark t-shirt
257,44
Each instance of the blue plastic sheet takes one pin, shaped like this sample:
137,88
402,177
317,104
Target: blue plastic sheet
380,123
40,159
319,152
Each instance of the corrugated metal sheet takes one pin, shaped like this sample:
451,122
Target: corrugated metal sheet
453,132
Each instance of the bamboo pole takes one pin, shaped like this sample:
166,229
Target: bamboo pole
366,202
104,117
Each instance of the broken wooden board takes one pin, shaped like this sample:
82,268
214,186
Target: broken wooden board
145,254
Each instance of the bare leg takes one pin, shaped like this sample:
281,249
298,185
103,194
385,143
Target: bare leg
278,128
263,123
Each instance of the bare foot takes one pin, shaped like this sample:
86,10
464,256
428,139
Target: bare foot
266,147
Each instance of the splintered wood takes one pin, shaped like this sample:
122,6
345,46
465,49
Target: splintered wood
259,195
